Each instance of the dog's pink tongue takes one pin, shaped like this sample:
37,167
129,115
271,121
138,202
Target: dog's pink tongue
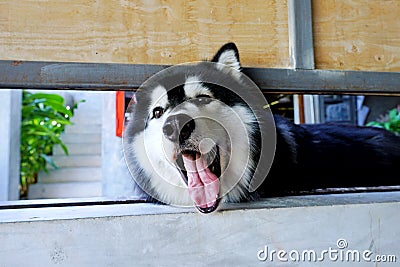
202,183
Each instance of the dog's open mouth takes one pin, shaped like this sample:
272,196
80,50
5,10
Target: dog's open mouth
201,173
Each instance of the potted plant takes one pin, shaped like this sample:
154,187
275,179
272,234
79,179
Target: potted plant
44,117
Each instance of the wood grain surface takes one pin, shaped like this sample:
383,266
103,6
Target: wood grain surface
151,31
357,34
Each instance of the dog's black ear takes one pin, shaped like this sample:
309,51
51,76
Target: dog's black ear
228,55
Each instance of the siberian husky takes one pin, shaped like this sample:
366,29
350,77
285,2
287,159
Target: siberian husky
193,138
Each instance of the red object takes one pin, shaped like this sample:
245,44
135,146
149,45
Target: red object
120,112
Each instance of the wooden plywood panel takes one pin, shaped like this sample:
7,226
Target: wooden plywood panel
357,34
154,32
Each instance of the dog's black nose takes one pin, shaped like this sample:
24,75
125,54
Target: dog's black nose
178,127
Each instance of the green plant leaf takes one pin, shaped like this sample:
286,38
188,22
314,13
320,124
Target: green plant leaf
64,148
393,114
391,122
32,97
49,161
44,117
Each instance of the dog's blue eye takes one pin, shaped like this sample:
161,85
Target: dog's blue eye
158,112
203,99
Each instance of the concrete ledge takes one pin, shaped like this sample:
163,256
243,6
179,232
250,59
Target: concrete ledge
154,235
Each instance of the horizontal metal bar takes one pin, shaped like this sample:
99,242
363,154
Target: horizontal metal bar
326,81
65,75
104,76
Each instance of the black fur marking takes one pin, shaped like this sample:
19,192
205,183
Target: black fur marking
176,95
220,92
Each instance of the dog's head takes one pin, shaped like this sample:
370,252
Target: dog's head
191,138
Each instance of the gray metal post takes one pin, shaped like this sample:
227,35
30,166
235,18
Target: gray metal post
301,51
301,46
10,114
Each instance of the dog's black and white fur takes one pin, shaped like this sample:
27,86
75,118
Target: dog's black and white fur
162,139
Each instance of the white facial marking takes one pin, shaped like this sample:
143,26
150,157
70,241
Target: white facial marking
193,87
239,127
165,178
159,97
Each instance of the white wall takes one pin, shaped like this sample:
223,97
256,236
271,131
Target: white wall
117,181
10,128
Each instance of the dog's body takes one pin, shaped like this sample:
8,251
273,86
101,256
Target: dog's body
199,142
332,155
